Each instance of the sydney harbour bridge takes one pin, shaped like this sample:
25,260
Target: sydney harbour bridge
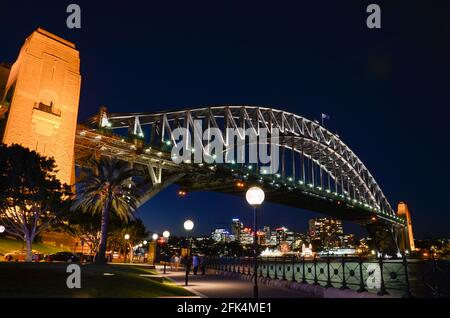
318,171
39,101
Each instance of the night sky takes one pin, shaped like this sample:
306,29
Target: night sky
386,91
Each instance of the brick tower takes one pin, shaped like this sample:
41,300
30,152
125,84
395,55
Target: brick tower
39,105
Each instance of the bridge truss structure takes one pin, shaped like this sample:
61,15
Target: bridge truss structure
318,170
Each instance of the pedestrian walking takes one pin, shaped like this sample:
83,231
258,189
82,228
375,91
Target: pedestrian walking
177,262
195,264
202,264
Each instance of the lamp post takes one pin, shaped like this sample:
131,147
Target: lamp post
166,235
188,226
152,247
255,197
126,237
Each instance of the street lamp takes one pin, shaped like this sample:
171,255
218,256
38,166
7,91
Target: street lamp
126,237
166,235
152,248
145,242
2,229
188,226
255,197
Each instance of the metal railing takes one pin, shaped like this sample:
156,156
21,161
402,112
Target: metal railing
397,277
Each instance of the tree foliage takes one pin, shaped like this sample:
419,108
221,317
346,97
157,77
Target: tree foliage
107,187
31,196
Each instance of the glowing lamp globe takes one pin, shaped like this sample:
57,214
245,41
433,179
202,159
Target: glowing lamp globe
127,236
155,237
188,225
166,234
2,229
255,196
145,242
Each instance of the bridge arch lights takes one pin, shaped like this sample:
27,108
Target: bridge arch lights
313,159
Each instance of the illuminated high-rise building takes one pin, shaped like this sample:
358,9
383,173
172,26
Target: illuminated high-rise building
328,232
246,236
236,229
283,235
220,235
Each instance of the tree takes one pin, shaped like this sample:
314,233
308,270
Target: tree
31,197
134,228
85,227
106,186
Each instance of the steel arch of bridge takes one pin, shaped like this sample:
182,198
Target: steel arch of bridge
322,152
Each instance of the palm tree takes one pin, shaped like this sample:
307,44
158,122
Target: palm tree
106,186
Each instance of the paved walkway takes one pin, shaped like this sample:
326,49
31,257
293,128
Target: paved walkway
218,286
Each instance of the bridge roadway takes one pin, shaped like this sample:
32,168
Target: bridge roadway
222,178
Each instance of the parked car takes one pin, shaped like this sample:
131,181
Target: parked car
85,258
20,255
67,257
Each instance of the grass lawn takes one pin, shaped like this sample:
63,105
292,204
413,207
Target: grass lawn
9,245
49,280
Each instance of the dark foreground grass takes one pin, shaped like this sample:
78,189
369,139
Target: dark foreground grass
49,280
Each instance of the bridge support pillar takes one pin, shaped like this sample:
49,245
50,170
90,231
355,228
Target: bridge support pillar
406,237
41,103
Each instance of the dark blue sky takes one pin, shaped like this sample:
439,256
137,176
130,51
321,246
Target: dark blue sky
387,91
